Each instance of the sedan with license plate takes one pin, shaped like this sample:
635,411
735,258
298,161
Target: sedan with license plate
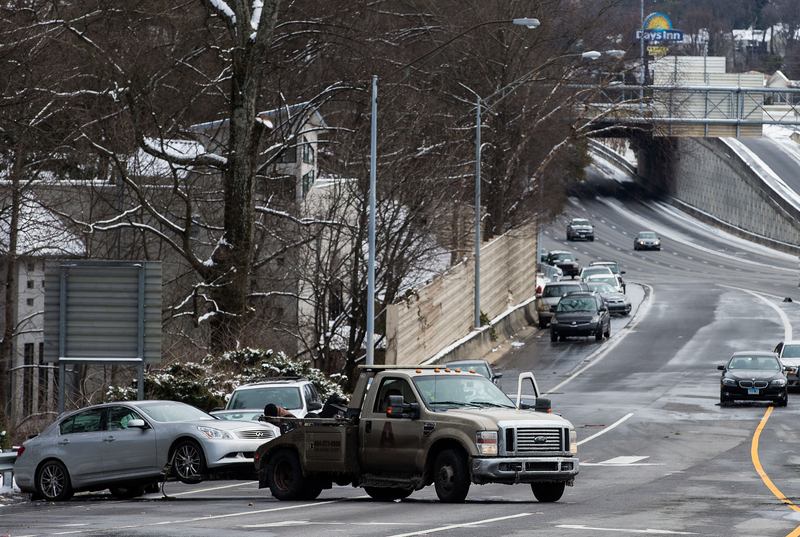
617,302
647,240
580,314
753,376
125,447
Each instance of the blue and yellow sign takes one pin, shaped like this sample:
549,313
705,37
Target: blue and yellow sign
658,29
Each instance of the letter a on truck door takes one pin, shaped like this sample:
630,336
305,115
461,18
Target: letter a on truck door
390,445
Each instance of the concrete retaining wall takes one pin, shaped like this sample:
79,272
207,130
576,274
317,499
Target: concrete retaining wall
439,315
710,180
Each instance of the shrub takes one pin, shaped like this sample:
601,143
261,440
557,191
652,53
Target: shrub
204,384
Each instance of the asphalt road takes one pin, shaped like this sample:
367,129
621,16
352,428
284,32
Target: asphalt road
786,165
659,456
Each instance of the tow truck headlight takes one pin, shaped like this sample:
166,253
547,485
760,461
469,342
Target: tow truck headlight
573,442
728,382
486,441
214,434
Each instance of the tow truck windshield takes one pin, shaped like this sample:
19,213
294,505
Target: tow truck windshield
443,392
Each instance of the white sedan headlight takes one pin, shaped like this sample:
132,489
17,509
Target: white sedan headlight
214,434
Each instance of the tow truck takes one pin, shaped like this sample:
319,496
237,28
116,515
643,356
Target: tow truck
406,428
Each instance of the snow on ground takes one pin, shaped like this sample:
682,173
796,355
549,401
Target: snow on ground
677,236
609,169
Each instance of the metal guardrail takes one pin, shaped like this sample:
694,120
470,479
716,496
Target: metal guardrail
7,459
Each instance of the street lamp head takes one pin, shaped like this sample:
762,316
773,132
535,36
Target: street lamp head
527,22
615,53
591,55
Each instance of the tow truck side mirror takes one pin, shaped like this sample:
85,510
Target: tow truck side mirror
399,409
313,406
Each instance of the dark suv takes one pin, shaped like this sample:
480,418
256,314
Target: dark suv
566,261
580,314
580,228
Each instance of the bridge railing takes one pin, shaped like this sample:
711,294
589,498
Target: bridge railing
695,110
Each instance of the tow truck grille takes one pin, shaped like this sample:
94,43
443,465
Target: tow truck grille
539,440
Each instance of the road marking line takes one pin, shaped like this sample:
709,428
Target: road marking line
601,353
622,530
760,469
214,488
621,465
609,428
464,525
625,459
787,325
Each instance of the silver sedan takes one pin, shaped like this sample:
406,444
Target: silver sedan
126,447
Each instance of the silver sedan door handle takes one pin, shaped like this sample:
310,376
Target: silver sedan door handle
109,438
63,442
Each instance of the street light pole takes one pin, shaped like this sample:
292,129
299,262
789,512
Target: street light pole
641,60
370,360
477,290
479,103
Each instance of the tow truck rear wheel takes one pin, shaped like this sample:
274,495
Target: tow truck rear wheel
286,481
548,492
387,494
450,476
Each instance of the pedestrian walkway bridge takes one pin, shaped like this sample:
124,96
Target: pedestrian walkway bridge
694,96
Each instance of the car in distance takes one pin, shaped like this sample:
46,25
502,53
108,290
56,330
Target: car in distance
481,367
591,270
753,376
297,395
789,355
614,266
125,446
647,240
616,302
580,314
566,261
611,279
580,228
552,292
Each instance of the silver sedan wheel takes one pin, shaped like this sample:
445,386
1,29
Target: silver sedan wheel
188,462
53,483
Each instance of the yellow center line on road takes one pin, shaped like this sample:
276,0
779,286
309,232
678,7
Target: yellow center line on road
764,477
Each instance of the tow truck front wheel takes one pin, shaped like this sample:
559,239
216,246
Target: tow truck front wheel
548,492
451,477
286,480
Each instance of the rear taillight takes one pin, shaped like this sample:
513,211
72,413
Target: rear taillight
20,451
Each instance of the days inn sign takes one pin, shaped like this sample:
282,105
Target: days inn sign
658,29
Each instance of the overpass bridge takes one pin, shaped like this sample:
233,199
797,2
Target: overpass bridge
693,96
694,111
684,129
